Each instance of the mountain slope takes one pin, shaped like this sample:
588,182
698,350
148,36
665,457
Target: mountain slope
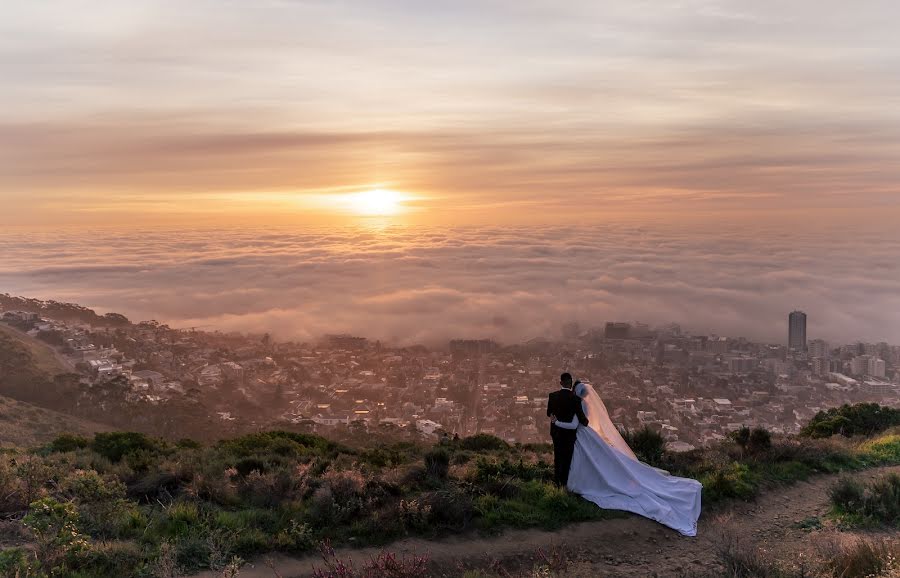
621,548
24,425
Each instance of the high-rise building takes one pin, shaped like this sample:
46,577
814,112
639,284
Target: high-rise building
867,365
797,331
818,348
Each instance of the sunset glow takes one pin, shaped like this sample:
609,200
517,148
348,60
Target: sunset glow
377,202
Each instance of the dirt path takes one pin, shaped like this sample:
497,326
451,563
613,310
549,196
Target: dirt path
621,548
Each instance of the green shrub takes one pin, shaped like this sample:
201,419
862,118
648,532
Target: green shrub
647,444
876,504
733,480
100,500
67,443
847,495
882,501
58,541
14,563
482,442
437,463
113,559
279,443
296,538
849,420
116,445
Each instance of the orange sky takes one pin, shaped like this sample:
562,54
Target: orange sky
493,110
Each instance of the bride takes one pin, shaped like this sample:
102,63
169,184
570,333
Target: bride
605,471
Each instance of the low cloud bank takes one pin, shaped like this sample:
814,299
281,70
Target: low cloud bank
422,285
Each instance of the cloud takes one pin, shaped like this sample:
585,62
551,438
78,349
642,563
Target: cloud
410,285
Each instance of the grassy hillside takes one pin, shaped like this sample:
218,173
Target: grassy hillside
130,505
26,425
41,356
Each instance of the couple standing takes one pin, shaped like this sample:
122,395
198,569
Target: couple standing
592,460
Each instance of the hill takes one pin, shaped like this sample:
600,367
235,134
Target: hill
23,424
41,358
126,504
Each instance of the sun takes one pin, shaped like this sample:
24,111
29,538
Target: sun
376,202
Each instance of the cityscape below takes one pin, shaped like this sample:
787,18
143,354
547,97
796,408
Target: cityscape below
692,388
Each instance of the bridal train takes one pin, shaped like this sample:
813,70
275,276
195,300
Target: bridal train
606,472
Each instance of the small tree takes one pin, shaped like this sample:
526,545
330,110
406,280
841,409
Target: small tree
760,440
57,538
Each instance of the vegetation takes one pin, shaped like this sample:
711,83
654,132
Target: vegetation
24,424
877,504
850,420
647,444
146,506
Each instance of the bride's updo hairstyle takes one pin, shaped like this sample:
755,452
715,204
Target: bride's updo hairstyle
580,388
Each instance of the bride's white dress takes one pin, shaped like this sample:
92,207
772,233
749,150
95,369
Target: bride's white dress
605,471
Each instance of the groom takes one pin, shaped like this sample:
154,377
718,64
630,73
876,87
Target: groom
563,405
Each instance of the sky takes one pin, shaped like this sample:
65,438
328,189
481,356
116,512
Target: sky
489,110
422,170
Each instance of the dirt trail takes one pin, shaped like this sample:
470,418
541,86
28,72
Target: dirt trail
619,548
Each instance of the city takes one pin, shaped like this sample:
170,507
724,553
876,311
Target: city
693,389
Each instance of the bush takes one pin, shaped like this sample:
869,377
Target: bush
760,440
279,443
864,558
849,420
875,504
113,559
734,480
741,436
647,444
482,442
882,501
116,445
100,500
58,542
847,495
437,463
14,563
67,443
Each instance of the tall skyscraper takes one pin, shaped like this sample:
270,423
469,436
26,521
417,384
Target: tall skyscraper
797,331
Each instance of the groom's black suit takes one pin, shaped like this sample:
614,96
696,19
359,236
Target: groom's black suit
565,405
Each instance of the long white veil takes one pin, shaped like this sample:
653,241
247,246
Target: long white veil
598,418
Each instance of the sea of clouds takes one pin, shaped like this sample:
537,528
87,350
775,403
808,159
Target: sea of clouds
427,284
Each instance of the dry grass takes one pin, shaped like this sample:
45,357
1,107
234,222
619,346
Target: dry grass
43,356
26,425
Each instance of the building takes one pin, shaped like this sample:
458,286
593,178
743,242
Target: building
616,330
742,364
797,331
867,365
717,345
818,348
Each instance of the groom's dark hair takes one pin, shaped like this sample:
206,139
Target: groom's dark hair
566,380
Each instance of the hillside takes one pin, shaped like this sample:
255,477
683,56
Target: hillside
26,425
129,505
787,523
41,357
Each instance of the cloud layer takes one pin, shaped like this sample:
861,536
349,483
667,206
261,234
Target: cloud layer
411,285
